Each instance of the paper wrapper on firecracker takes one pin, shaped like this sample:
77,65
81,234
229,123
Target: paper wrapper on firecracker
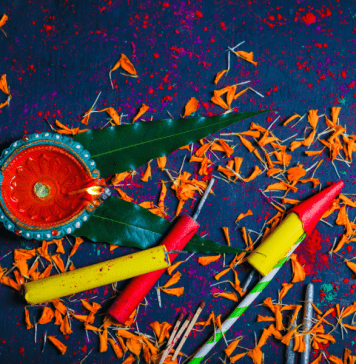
277,245
139,287
302,219
96,275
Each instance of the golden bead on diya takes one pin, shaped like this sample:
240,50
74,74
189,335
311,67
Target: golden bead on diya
49,186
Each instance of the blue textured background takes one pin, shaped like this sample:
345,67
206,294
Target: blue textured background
57,56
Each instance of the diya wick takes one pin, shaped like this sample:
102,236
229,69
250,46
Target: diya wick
101,192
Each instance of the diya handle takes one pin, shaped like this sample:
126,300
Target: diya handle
184,229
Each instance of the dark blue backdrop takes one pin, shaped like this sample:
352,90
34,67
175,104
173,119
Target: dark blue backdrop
57,56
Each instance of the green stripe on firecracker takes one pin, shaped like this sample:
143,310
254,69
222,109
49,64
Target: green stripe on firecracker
196,360
281,262
216,338
238,312
260,287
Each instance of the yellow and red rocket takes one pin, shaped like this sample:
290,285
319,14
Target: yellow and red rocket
300,220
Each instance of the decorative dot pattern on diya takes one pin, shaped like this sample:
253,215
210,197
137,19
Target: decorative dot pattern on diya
49,186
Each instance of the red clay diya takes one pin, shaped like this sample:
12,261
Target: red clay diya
49,186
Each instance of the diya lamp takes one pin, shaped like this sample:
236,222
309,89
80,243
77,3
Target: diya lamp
49,186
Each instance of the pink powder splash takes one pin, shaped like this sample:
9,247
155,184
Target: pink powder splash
310,255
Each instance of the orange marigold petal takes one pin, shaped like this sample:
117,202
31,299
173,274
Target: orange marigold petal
257,171
147,173
94,307
3,83
313,152
114,115
232,346
191,107
218,76
295,173
65,327
291,118
236,96
47,272
229,295
313,118
253,133
242,215
221,274
142,110
58,318
173,267
119,177
237,357
173,291
265,318
247,144
134,345
59,262
27,319
103,341
286,338
285,289
129,360
4,104
60,346
351,265
207,260
47,316
246,56
317,360
77,242
335,115
298,270
256,355
127,65
116,347
123,195
314,181
200,152
230,96
59,306
335,359
173,280
161,162
227,236
217,100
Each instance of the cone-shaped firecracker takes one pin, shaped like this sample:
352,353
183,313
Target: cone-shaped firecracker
300,220
277,248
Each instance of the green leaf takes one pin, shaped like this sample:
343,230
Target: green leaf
201,245
122,148
126,224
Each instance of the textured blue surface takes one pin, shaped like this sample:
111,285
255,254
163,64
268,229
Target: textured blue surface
57,57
